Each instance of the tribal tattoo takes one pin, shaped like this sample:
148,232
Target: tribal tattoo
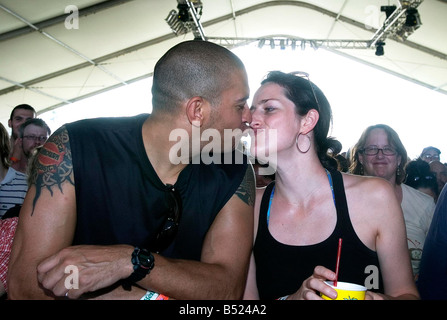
247,190
52,165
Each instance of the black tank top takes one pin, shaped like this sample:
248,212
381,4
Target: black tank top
121,200
281,269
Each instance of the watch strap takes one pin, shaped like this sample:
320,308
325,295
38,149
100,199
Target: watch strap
143,263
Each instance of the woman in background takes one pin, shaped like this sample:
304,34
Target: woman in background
380,153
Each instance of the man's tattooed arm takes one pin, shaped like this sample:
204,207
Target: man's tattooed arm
247,189
52,166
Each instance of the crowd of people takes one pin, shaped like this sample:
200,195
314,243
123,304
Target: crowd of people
105,197
28,133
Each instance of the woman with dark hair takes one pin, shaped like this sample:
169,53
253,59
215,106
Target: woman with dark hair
380,153
300,217
419,177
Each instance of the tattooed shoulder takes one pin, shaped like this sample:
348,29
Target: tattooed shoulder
247,189
52,166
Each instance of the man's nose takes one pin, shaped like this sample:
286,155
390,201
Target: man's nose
246,115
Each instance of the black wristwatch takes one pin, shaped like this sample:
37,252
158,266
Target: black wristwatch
143,263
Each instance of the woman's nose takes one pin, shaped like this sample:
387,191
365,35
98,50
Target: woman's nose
256,120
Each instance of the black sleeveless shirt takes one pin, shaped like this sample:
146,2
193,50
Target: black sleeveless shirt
121,200
281,268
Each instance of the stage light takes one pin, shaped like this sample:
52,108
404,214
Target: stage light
379,48
303,45
413,19
187,18
282,44
388,10
293,44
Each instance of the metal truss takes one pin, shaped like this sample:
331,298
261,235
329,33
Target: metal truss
395,25
290,42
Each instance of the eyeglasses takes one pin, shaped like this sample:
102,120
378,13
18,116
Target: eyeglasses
425,178
36,138
373,150
305,75
169,229
431,156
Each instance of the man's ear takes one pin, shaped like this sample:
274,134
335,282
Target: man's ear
197,111
309,121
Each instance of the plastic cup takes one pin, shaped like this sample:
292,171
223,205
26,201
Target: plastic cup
346,291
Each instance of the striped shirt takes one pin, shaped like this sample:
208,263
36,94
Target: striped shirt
13,189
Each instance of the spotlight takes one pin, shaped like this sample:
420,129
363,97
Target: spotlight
261,43
293,44
388,10
303,45
413,19
272,44
186,19
282,44
379,48
183,14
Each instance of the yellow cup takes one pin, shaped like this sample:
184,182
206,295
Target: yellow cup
346,291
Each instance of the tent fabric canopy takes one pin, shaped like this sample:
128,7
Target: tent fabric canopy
55,52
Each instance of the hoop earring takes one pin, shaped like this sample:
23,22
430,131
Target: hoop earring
298,144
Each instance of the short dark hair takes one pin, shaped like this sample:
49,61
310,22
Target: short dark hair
192,68
22,106
36,121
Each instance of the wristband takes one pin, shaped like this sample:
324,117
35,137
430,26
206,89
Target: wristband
150,295
283,298
14,159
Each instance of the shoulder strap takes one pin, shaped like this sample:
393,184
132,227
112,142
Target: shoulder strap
265,204
341,204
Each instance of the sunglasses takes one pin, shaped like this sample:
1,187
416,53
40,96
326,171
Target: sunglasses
173,214
305,75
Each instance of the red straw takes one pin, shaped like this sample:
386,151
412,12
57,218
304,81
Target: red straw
338,261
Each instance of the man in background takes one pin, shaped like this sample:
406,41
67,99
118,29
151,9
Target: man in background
19,115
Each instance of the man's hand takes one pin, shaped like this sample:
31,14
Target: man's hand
96,267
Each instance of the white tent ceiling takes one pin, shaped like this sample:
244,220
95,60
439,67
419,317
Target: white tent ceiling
46,64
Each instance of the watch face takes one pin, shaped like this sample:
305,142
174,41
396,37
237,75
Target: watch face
146,258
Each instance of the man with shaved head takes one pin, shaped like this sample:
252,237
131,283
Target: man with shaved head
109,204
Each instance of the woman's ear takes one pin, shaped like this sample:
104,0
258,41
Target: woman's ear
309,121
197,111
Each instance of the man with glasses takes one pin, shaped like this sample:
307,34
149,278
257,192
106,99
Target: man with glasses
19,115
32,134
109,203
430,154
